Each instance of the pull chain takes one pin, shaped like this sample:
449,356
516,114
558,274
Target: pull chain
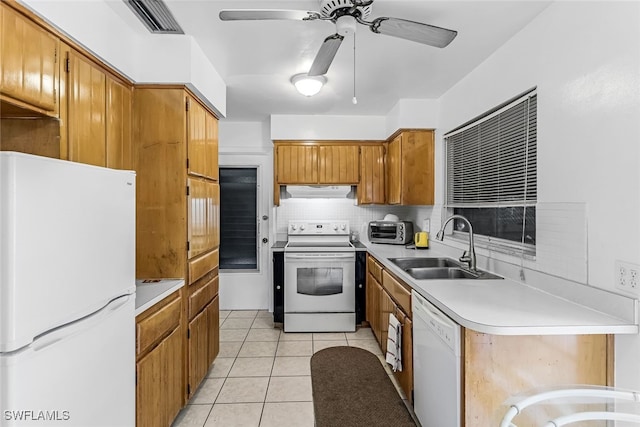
354,100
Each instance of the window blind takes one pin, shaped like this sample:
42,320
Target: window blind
491,162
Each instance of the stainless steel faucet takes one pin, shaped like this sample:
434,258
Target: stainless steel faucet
469,256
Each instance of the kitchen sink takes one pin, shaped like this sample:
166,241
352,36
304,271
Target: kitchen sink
448,273
438,268
416,262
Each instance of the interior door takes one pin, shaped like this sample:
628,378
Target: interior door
250,288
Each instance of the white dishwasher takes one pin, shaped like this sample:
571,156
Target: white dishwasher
436,365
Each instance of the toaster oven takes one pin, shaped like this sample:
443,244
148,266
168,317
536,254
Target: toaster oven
391,232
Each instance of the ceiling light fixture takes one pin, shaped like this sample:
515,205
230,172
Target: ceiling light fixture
308,85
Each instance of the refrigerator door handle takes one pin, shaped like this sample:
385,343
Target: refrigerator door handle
49,338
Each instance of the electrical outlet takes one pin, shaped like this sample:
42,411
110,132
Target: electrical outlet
627,276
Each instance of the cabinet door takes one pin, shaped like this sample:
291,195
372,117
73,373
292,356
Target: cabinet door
159,388
87,111
338,164
394,171
374,295
28,69
405,377
214,330
118,125
198,349
372,182
417,170
387,306
196,139
211,138
204,216
297,164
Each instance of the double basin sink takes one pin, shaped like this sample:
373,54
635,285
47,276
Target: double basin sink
439,268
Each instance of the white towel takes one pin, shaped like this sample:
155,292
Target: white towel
394,344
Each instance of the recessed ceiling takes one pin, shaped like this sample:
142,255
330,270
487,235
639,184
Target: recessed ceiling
256,59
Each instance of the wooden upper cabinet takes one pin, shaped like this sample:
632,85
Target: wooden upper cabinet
119,98
297,164
87,111
28,63
371,189
410,168
338,164
202,141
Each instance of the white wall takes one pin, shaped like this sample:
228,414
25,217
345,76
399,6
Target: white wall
413,114
328,127
584,58
244,137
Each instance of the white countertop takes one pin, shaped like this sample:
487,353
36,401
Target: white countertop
151,291
508,307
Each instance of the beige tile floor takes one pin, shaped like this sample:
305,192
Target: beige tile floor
262,376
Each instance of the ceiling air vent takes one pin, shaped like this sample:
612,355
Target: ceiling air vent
155,15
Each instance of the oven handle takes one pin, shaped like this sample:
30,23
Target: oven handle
323,255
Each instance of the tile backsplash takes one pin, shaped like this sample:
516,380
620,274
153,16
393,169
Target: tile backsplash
341,209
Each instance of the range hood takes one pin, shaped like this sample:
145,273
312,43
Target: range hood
317,192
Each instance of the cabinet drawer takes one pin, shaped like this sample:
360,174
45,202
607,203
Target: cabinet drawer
152,328
400,292
202,294
374,268
203,264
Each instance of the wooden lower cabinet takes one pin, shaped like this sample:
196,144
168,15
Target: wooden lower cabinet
494,367
382,300
160,363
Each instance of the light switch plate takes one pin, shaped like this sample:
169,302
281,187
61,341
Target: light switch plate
426,223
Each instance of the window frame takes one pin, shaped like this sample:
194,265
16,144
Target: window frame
489,241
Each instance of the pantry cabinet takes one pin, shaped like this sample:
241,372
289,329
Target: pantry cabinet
29,66
159,363
410,168
371,189
178,209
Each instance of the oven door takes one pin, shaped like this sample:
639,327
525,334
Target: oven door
319,282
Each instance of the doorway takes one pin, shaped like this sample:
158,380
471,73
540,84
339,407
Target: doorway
245,264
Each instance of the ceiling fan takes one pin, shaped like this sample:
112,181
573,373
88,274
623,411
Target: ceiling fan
345,14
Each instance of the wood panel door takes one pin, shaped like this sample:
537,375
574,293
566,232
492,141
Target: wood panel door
394,171
198,349
297,164
203,206
87,111
28,69
159,390
338,164
118,145
371,189
417,175
387,306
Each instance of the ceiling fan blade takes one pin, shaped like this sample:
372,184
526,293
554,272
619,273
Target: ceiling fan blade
414,31
325,55
265,14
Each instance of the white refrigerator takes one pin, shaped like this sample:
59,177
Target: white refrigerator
67,293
